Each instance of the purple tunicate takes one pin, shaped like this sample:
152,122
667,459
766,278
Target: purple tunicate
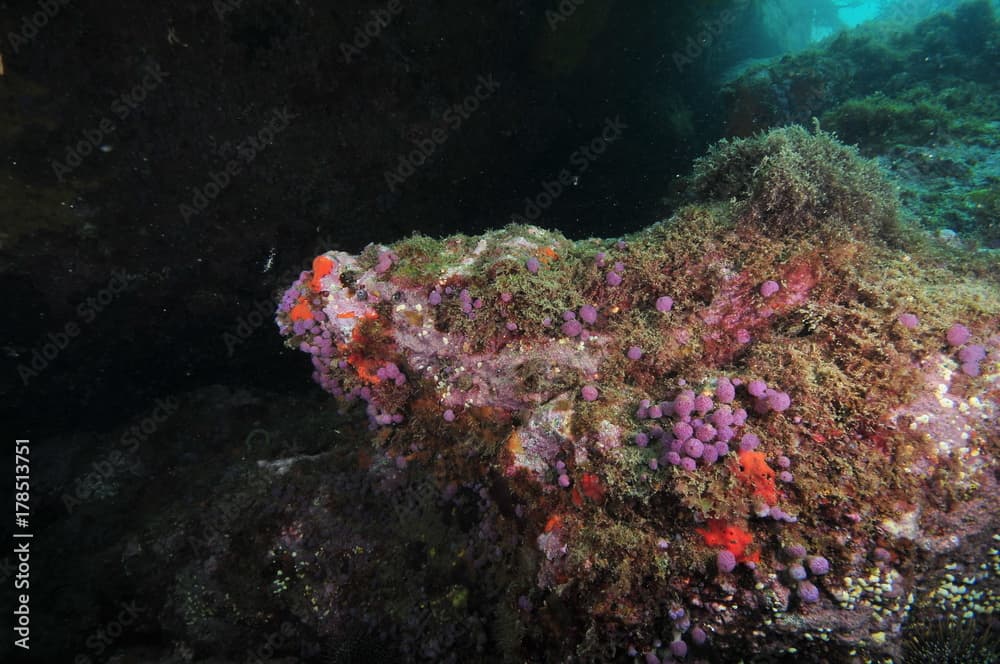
748,442
678,648
721,448
698,636
673,458
589,393
703,403
705,433
688,464
572,328
588,314
795,551
724,391
532,265
684,404
958,334
664,304
449,415
973,353
909,321
725,561
757,388
613,279
818,565
693,448
769,288
970,369
724,434
564,481
641,440
808,593
654,412
783,462
682,430
778,401
709,455
634,353
722,417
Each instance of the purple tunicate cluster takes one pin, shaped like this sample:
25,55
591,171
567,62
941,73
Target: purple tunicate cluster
767,399
532,265
468,303
909,321
970,355
614,276
634,353
563,478
801,568
573,325
664,304
391,372
702,428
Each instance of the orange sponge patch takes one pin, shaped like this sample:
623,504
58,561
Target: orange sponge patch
322,266
301,310
720,534
755,473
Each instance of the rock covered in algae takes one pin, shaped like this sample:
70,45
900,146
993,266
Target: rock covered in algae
742,430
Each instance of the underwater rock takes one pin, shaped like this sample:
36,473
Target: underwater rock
625,454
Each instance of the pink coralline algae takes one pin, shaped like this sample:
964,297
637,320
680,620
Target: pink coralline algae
623,463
